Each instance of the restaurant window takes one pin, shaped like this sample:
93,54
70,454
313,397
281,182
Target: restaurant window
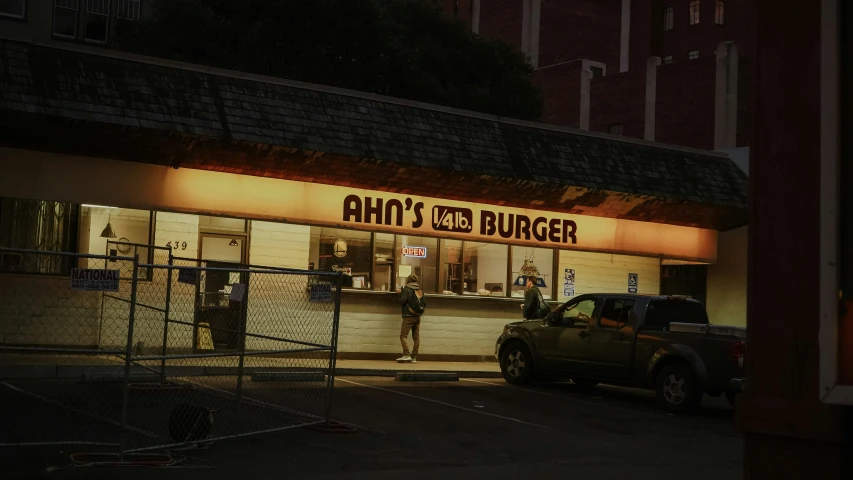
222,224
129,9
97,20
418,255
65,18
615,129
693,54
668,19
383,262
36,225
538,262
720,13
346,251
693,11
13,8
122,232
473,268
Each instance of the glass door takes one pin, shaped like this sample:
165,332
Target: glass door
215,309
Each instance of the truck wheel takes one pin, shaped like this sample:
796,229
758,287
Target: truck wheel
584,383
517,363
678,389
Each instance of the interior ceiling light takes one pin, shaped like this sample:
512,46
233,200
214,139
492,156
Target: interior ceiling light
108,231
234,243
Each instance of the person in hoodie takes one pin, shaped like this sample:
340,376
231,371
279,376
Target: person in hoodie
414,304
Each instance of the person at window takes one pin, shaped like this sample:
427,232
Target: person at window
534,307
414,304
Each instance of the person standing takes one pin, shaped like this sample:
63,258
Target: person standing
535,307
414,304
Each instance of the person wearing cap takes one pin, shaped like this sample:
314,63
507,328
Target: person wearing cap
414,304
535,307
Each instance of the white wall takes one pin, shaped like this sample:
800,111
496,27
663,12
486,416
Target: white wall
727,279
606,273
280,245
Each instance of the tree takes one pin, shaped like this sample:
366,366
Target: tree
400,48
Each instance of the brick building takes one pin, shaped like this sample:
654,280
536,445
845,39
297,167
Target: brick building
667,70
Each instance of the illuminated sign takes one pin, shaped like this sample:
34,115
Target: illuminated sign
416,252
185,190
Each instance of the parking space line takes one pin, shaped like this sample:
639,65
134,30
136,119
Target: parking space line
439,402
562,397
81,412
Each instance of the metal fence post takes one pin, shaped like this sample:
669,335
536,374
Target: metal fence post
333,353
241,340
166,317
127,355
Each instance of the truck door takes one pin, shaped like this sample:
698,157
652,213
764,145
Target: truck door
565,342
611,348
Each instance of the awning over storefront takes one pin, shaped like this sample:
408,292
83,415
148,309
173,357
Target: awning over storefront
91,102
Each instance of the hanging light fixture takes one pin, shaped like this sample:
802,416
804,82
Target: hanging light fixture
528,269
108,231
234,243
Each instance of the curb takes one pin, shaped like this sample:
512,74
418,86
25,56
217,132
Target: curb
91,372
427,377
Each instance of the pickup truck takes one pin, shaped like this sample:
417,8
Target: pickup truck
662,343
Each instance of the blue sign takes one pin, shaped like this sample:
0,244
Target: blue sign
633,282
186,275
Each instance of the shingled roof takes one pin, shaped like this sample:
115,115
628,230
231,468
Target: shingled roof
87,101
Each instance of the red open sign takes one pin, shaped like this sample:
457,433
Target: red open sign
417,252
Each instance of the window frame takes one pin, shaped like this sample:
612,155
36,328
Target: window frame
106,17
691,56
69,243
694,12
720,13
668,19
596,310
128,4
76,20
616,129
629,303
21,18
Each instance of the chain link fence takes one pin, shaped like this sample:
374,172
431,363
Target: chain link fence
138,350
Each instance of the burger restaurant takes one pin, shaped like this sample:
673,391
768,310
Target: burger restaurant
274,173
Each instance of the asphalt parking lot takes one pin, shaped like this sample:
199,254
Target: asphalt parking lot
473,428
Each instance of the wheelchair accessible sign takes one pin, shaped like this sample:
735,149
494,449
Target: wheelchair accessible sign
633,282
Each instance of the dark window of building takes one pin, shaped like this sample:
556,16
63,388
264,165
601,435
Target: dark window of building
36,225
615,129
720,13
65,18
687,280
13,8
667,59
596,72
129,9
693,12
668,19
97,20
660,313
693,54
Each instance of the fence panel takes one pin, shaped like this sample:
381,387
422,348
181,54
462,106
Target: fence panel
248,350
162,351
61,364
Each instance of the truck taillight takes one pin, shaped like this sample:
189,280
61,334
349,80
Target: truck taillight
738,352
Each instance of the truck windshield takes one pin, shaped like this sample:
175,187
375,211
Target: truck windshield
662,312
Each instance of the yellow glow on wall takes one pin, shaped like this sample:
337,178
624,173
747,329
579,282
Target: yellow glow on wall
150,187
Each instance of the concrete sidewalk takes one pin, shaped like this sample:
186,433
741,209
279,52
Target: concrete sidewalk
50,367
